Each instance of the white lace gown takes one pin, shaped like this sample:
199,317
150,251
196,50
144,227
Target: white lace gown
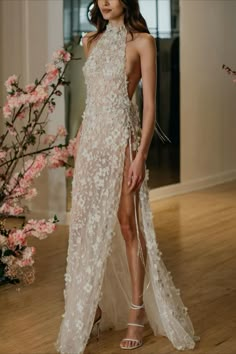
97,267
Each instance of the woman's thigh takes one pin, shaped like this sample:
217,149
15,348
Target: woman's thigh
126,210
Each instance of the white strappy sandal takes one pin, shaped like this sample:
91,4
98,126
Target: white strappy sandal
138,343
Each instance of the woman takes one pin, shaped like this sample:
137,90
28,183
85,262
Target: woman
113,258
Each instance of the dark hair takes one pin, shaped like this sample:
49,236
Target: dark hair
133,19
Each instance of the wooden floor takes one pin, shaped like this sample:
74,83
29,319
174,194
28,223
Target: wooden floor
197,235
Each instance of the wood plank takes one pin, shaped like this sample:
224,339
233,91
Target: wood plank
196,233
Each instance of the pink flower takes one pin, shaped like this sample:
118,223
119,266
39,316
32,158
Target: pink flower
14,101
61,55
29,87
52,75
24,262
39,163
58,157
32,192
71,148
19,99
67,57
39,228
50,67
9,209
69,172
22,114
18,191
61,131
36,97
10,81
7,111
49,139
22,189
34,167
27,257
39,95
16,237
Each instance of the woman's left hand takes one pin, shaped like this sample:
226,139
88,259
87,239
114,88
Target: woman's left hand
136,173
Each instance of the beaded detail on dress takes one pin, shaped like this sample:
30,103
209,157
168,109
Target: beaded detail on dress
97,269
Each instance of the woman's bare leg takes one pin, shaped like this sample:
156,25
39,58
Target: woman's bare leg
126,216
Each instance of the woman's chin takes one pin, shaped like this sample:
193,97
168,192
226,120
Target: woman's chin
106,16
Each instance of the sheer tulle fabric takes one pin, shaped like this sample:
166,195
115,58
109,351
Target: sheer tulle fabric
97,268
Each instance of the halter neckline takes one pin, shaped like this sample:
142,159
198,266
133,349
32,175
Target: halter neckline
114,28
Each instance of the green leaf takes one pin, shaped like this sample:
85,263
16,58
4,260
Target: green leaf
55,219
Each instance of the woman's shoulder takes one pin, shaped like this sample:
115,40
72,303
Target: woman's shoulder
86,37
85,41
143,37
143,40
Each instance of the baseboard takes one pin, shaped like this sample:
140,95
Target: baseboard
158,193
190,186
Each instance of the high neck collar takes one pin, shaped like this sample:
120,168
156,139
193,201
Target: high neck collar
115,28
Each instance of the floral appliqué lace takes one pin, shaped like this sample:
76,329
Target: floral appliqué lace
97,269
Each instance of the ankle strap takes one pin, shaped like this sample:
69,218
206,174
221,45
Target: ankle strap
135,324
136,307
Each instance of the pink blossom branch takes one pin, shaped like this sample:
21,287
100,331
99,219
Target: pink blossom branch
228,70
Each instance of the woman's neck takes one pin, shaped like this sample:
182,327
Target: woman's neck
117,22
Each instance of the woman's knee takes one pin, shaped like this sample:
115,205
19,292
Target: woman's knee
127,226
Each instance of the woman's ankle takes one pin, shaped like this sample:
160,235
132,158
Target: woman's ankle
137,301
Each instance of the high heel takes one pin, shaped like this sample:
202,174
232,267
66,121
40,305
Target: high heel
97,325
138,343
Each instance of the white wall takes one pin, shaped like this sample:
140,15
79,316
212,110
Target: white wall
208,97
30,31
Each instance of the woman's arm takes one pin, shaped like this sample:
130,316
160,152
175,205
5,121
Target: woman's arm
86,46
147,52
149,72
86,52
